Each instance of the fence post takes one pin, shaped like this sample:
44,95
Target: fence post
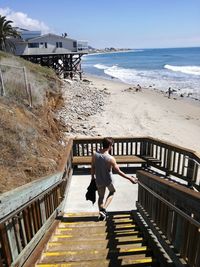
2,84
26,83
30,96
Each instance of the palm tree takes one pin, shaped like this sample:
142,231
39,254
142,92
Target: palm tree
6,34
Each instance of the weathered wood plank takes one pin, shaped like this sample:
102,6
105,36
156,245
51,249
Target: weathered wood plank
42,209
24,238
5,245
12,240
120,159
27,224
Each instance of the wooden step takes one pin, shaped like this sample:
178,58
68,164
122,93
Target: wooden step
145,262
109,222
114,227
94,254
97,236
124,241
97,230
90,244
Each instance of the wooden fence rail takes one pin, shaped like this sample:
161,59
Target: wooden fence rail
172,160
172,212
28,211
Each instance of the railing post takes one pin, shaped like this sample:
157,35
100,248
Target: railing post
169,162
143,150
191,171
12,239
179,233
5,245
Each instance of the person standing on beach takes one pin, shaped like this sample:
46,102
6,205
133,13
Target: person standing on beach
101,171
169,92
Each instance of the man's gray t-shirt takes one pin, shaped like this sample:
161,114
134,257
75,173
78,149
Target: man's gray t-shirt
103,171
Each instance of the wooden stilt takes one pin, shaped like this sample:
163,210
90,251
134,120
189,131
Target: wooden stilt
67,65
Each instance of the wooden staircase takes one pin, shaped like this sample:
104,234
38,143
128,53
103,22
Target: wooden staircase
81,240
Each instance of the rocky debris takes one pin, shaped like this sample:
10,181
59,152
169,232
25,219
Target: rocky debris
82,100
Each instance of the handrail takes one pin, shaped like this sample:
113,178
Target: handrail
17,203
27,203
172,212
170,205
27,212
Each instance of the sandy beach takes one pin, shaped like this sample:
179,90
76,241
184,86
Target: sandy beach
127,112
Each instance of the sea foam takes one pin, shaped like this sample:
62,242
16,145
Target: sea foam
195,70
101,66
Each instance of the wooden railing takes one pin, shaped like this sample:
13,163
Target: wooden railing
27,212
172,212
171,159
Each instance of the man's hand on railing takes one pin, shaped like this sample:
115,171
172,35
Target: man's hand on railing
134,180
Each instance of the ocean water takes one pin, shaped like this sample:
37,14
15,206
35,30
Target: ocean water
178,68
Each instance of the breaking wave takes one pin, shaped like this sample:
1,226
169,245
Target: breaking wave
101,66
195,70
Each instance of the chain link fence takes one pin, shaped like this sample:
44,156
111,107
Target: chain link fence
14,83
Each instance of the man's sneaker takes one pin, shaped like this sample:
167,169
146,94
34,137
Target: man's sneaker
102,215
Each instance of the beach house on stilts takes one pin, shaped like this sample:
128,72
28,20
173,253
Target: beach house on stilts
58,52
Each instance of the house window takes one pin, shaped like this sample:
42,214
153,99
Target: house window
58,44
74,44
33,45
43,45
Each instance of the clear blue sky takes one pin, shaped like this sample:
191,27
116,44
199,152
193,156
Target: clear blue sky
118,23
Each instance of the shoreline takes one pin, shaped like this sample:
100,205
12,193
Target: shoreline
150,87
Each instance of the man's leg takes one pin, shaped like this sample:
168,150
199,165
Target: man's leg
110,196
101,192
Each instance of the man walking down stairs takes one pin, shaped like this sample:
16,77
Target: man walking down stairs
81,240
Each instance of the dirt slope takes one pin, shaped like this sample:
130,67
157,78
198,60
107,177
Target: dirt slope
30,138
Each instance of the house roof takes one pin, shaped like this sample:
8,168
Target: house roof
49,35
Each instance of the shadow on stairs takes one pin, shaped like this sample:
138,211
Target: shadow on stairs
81,240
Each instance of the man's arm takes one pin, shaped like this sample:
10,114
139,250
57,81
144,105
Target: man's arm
115,166
93,167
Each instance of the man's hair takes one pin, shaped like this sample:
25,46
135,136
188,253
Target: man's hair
108,141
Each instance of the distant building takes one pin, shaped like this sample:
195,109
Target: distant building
26,34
